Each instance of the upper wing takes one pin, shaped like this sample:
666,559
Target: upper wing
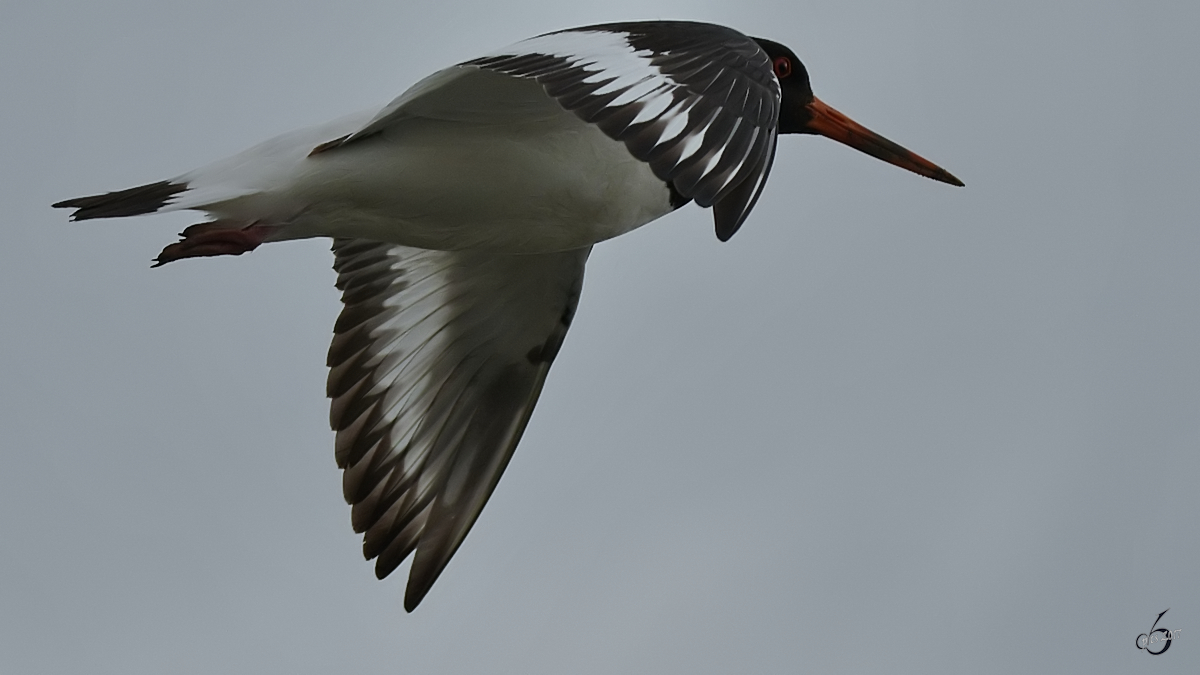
436,363
698,102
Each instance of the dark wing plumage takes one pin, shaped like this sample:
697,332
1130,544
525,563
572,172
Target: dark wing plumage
437,361
698,102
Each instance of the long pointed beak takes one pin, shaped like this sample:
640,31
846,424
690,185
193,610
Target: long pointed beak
830,123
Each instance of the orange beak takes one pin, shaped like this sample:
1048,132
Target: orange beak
832,124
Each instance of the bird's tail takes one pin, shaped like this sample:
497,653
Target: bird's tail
135,201
223,236
246,196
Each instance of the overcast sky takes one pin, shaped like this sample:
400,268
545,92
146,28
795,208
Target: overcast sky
892,426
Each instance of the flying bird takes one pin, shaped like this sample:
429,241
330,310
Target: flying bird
462,214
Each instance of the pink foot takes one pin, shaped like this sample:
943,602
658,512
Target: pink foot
219,237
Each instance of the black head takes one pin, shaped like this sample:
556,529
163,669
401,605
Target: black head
793,84
800,112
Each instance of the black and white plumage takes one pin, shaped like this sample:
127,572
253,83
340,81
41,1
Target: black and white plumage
696,102
436,363
462,215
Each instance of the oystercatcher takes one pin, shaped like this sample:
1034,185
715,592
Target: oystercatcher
462,214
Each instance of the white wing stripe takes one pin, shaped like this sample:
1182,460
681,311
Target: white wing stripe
624,82
741,162
696,140
655,107
679,120
716,158
644,88
601,73
607,52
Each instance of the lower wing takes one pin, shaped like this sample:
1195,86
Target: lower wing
437,361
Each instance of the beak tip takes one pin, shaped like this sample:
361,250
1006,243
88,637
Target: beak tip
946,177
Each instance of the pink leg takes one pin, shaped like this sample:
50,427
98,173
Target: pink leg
219,237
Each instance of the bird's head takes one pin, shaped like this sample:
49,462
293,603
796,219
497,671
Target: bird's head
803,113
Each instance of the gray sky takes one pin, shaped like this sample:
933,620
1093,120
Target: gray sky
890,427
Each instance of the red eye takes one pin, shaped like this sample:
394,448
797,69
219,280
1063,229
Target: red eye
783,67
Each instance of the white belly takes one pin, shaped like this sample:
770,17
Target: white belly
548,186
509,171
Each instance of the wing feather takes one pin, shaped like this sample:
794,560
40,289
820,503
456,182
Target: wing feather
673,92
436,363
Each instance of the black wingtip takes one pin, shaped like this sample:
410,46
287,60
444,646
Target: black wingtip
135,201
411,600
419,583
728,219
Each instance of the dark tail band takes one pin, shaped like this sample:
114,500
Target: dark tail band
132,202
